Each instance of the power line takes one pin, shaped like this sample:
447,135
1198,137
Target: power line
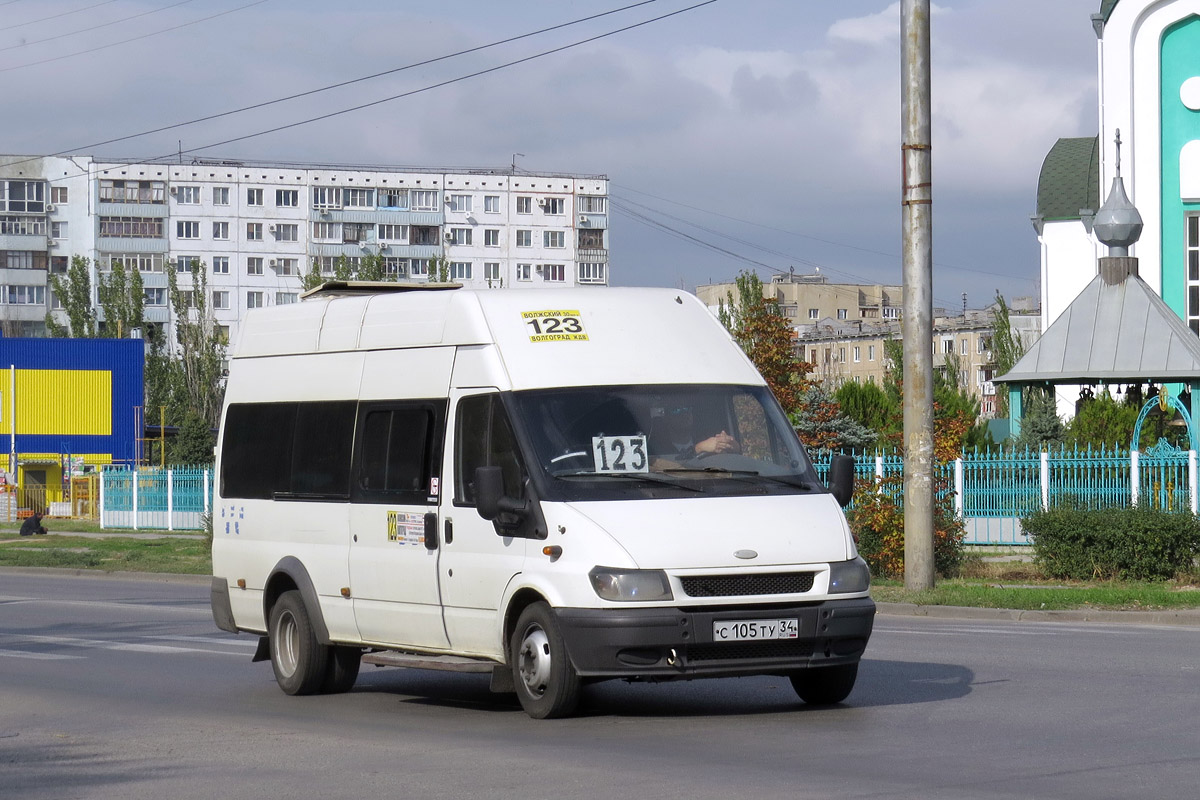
439,85
94,27
134,39
349,82
55,16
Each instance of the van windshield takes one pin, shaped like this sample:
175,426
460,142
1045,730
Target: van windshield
606,442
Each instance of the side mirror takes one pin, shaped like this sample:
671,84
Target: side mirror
490,500
841,478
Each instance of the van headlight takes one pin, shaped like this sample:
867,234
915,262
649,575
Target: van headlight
630,585
849,576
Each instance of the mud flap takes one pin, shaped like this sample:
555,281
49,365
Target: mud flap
263,652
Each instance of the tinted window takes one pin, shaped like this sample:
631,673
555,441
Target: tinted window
274,449
485,439
400,452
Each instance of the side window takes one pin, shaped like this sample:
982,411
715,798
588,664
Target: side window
399,454
485,439
287,449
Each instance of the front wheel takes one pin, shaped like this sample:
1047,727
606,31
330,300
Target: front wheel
299,660
824,686
546,683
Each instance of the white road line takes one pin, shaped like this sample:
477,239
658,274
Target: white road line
239,642
121,646
1041,629
200,609
36,656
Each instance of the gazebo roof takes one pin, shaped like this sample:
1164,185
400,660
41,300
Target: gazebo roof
1113,332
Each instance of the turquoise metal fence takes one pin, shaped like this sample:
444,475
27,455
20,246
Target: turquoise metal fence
993,489
167,499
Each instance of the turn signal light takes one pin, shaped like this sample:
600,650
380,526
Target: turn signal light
552,550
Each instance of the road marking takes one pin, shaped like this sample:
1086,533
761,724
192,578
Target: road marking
36,656
200,607
240,642
100,644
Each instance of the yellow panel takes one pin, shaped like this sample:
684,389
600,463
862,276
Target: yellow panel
63,402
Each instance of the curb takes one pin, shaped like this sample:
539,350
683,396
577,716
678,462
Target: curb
1178,617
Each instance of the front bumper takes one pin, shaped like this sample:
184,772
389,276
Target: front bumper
673,643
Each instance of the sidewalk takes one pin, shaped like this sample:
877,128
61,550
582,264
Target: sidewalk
1185,617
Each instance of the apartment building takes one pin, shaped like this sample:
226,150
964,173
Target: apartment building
807,299
258,226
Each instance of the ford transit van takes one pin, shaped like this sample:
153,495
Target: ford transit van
551,487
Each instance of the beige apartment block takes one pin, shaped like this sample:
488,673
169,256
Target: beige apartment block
807,299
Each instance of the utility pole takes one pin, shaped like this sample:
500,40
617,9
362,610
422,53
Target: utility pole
917,206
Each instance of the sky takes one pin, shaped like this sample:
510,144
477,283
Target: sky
769,130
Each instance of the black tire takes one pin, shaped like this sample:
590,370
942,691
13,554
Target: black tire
299,660
824,686
546,683
342,671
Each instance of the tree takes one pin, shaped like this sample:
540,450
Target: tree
1040,424
192,443
1007,348
313,278
122,300
869,406
825,427
200,386
74,292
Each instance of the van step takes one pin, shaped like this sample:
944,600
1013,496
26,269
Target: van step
424,661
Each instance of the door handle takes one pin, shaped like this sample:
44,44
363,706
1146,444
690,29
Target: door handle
431,537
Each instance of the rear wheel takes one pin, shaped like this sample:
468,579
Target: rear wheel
546,683
825,686
299,660
342,671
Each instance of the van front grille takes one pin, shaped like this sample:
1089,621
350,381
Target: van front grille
741,651
742,585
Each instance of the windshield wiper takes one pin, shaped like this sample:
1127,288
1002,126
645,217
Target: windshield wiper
744,473
636,476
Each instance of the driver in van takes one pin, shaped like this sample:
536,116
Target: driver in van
677,439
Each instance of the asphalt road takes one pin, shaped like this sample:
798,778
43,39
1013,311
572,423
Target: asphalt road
113,688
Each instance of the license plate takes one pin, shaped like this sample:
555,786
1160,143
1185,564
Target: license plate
740,630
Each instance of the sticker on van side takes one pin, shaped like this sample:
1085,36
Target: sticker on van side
555,325
405,528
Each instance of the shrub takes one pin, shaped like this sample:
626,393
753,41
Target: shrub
877,520
1128,544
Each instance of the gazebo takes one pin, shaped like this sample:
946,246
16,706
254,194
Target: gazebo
1116,331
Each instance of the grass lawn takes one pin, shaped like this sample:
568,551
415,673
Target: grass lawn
171,554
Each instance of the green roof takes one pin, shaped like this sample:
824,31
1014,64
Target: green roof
1070,179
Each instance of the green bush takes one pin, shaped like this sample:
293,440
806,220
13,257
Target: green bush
1127,544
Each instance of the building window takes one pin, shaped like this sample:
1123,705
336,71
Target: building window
287,233
58,265
24,259
220,230
327,231
554,273
491,237
220,299
285,298
186,229
58,230
186,263
524,272
152,192
155,296
392,198
870,352
948,346
358,198
254,265
891,312
220,195
254,299
1192,255
419,267
460,270
142,262
552,205
58,195
286,266
591,239
326,197
287,198
187,195
460,203
491,271
843,313
424,199
963,345
397,267
132,227
423,234
524,205
524,238
554,238
814,313
460,236
592,272
842,355
356,232
254,197
491,204
857,354
590,204
393,233
254,232
23,226
220,265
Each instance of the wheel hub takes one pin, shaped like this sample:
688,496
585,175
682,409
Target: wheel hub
534,661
